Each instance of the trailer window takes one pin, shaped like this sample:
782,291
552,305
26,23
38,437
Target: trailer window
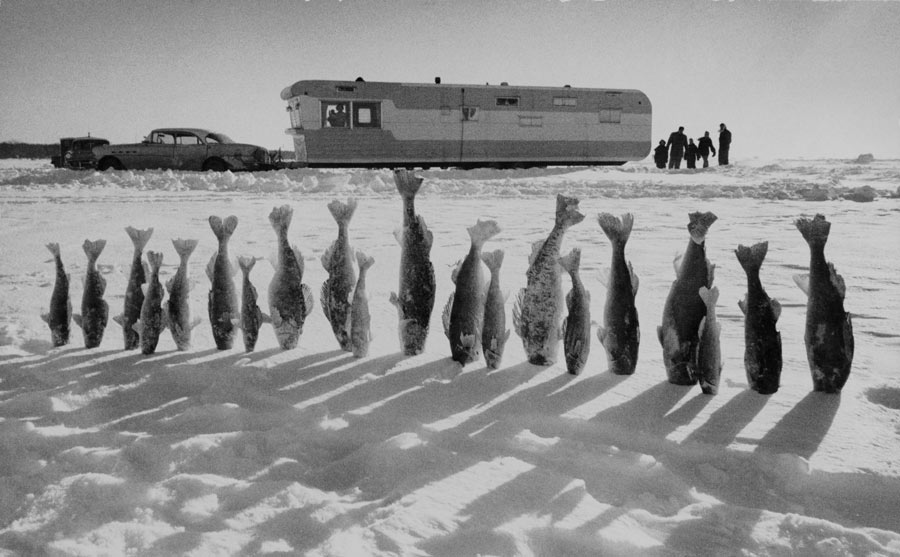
611,115
531,121
565,101
507,101
470,113
335,115
366,115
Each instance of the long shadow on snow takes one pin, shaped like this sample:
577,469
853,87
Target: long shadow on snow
723,425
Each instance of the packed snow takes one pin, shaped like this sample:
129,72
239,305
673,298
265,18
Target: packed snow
312,451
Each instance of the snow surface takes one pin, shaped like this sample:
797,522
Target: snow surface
311,451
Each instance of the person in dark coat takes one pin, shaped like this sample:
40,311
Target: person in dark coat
678,143
704,146
724,144
690,154
661,154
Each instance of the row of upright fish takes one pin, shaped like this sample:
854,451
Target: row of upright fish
474,317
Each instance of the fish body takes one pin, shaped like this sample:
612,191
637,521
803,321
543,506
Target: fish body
94,309
620,334
251,316
337,290
290,301
415,297
708,359
223,304
151,323
538,311
684,309
360,319
762,341
178,308
59,317
464,313
829,331
494,333
134,293
577,324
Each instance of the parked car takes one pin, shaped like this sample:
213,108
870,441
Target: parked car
183,149
77,152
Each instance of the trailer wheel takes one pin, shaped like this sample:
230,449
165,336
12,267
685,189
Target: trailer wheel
215,165
107,163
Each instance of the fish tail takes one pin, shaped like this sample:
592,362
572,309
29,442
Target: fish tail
93,249
617,230
139,237
280,217
408,183
364,261
342,212
184,248
710,297
246,264
54,248
815,230
567,211
223,229
155,258
572,262
751,259
699,225
483,231
493,259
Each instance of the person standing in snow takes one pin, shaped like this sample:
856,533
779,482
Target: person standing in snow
661,154
704,147
678,143
690,154
724,144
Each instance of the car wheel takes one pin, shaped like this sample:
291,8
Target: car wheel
215,165
110,162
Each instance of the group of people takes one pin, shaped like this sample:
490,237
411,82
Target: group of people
681,147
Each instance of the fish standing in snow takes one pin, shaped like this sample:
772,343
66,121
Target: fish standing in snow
494,334
223,305
464,313
360,320
59,317
290,301
577,324
762,342
537,313
337,290
684,308
708,360
252,317
621,333
415,298
134,293
94,309
829,332
151,323
178,308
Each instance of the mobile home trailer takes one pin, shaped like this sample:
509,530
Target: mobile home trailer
382,124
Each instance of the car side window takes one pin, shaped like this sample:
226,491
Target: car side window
188,139
163,138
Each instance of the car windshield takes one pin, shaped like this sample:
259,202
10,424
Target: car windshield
218,138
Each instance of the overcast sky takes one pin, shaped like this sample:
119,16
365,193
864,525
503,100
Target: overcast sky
790,79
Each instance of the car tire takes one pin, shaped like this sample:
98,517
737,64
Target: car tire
107,163
215,165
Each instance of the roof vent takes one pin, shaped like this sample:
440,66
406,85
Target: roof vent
504,84
437,80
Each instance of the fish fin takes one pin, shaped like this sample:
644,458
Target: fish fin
572,261
676,263
394,300
120,319
139,237
602,335
407,183
194,322
326,258
563,326
751,259
445,316
709,296
211,266
93,249
426,234
776,309
342,212
363,261
280,218
45,317
301,264
455,272
803,282
837,281
76,317
493,260
567,211
483,231
635,282
605,277
54,248
324,294
617,230
518,305
710,273
699,225
743,305
535,250
246,264
815,230
398,235
184,248
223,229
155,258
138,326
308,300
